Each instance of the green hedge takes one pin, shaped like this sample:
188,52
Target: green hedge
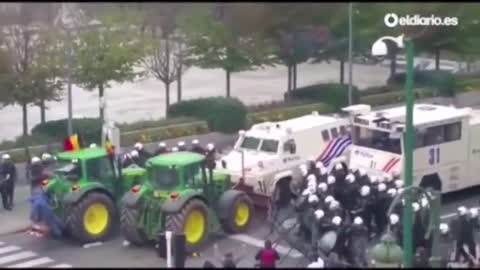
90,129
222,114
288,113
331,93
124,127
393,97
442,82
162,133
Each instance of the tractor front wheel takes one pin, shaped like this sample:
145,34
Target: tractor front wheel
129,226
192,220
91,219
240,211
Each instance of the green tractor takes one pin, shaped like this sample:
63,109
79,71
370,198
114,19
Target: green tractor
85,192
180,195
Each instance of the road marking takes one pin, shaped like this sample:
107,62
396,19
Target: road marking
8,249
261,243
31,263
17,256
63,265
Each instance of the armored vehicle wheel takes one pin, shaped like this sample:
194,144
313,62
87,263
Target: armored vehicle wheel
240,212
192,220
129,220
90,220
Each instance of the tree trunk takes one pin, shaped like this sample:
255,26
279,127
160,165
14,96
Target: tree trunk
294,77
342,71
227,73
167,97
179,83
42,110
393,65
25,118
101,101
437,59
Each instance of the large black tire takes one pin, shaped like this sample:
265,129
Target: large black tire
282,193
129,221
233,223
176,222
75,219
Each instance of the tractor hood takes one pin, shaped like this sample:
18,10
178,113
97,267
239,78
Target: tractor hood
253,161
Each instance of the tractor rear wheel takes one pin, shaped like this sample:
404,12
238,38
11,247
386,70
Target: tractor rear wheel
129,226
91,219
240,212
192,220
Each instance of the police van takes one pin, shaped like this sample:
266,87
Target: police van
447,149
269,154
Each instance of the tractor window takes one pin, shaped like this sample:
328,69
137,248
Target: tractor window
193,176
99,168
70,170
164,178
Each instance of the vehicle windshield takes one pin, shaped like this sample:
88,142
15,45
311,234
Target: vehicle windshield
69,169
266,145
379,140
164,177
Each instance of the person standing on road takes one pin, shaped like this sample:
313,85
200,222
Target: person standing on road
36,173
143,154
210,158
446,246
181,146
196,148
267,256
7,178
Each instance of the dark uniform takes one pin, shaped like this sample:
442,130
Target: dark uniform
8,176
210,159
36,175
161,150
198,149
445,247
380,212
143,156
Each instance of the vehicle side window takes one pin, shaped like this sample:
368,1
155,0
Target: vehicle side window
453,132
99,168
334,132
289,147
325,136
343,130
193,175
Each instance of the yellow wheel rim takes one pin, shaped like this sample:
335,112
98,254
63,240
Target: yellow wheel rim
95,219
242,214
194,227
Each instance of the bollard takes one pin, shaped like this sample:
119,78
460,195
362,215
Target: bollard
168,237
162,246
179,250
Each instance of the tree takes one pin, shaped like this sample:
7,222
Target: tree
218,44
107,53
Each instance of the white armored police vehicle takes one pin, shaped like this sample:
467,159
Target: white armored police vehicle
447,149
269,154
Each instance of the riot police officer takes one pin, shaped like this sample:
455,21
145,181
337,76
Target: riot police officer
143,154
196,148
396,228
349,192
364,207
162,149
181,146
463,235
210,158
36,173
445,245
379,208
8,176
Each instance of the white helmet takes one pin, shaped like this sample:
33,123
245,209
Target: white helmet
312,198
5,156
334,204
195,142
322,187
174,149
424,202
329,199
392,192
303,168
210,146
138,146
319,165
162,144
444,228
134,153
318,264
400,191
337,220
35,160
307,191
380,179
181,143
394,219
358,221
395,174
373,179
382,187
331,179
362,172
338,166
462,210
46,156
388,178
398,183
311,178
415,207
474,212
350,178
323,171
365,191
319,214
353,168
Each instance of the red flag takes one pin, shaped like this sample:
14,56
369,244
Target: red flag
67,145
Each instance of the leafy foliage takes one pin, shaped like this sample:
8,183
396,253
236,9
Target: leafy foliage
333,94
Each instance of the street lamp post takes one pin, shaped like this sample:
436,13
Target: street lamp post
69,81
379,48
350,52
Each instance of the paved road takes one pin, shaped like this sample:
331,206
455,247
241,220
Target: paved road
114,254
222,141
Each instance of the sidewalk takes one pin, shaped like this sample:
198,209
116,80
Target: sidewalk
19,218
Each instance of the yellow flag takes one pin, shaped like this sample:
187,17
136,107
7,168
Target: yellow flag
74,142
